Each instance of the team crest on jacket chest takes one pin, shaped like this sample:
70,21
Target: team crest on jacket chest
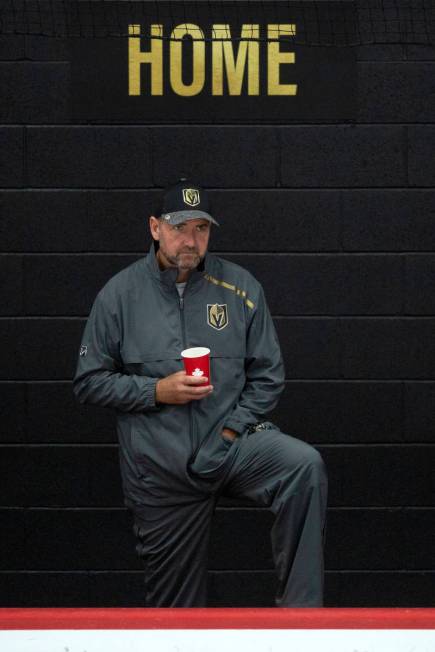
217,315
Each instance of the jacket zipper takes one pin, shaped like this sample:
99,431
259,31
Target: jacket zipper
183,331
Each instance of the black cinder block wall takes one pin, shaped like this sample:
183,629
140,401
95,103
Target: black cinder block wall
335,220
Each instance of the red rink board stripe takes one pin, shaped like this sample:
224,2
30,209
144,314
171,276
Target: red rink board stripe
213,618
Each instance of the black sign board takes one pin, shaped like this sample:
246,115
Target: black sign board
222,62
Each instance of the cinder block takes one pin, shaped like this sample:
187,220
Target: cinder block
241,588
75,221
12,541
37,92
388,348
104,477
232,157
328,284
310,347
13,474
57,539
421,161
68,284
388,220
275,220
373,348
110,157
40,48
310,411
111,541
419,355
69,421
13,402
380,52
40,349
116,589
370,412
419,408
419,293
103,539
351,537
11,157
44,589
11,47
393,589
395,92
71,539
379,476
340,412
56,476
336,156
45,221
11,291
120,220
420,52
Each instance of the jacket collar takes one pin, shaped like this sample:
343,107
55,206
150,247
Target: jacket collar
169,276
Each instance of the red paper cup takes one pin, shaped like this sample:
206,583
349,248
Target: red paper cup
197,362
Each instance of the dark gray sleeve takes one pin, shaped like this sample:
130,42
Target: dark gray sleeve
99,378
264,368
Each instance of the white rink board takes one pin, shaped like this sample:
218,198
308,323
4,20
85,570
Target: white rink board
218,640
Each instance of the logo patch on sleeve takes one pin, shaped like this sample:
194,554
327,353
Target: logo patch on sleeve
83,351
217,315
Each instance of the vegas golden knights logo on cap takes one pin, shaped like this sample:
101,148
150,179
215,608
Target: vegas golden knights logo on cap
191,196
217,315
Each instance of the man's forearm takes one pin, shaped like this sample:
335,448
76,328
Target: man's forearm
127,393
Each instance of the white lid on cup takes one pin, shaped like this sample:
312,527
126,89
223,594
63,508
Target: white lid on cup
195,352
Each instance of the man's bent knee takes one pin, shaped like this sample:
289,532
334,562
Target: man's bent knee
310,462
316,463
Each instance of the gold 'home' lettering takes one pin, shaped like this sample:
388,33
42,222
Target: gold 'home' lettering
276,58
223,54
223,59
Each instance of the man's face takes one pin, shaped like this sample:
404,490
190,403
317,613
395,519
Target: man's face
182,245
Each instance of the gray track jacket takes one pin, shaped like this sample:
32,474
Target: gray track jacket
134,335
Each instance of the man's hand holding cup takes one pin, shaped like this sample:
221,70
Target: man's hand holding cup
191,384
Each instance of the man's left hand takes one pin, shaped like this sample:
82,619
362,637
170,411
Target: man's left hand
227,433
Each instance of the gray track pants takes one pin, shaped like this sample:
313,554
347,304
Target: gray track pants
276,471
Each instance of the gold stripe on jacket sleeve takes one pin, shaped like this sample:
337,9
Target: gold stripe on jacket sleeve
224,284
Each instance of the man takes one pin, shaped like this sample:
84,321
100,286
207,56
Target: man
184,440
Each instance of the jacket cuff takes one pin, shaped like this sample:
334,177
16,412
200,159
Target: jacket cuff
150,395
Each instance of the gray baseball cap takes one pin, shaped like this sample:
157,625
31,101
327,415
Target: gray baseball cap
183,201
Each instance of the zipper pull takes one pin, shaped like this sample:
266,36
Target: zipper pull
181,303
